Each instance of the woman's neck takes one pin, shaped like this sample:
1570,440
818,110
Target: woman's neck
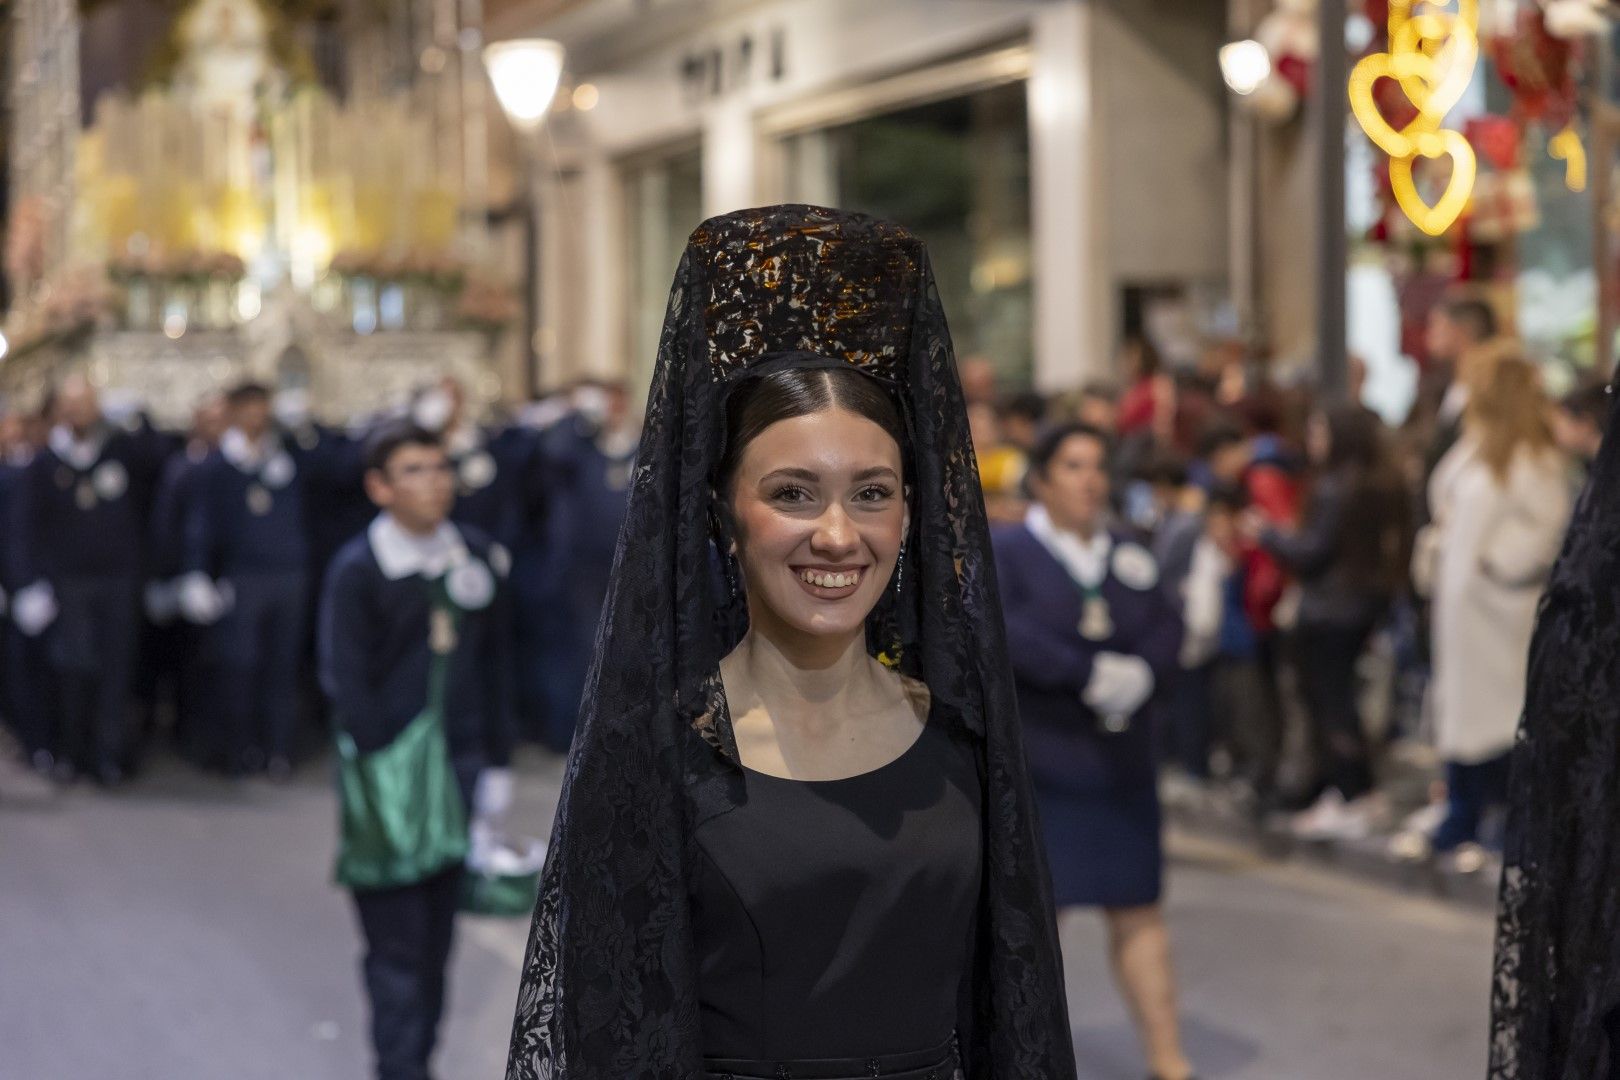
804,679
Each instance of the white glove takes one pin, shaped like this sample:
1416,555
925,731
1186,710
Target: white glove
492,796
1120,684
34,608
200,600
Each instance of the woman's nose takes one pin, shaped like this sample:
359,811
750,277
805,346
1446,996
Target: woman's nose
834,532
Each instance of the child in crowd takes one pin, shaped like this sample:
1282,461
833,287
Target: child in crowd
415,657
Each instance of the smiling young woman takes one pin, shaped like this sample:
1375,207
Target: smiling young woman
796,837
817,502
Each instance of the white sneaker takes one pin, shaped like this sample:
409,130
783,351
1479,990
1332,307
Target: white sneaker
1426,820
1331,818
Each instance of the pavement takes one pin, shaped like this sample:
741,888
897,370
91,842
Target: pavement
185,928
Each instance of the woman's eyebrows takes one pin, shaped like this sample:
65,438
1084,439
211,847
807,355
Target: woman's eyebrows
798,473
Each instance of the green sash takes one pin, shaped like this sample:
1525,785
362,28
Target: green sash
402,816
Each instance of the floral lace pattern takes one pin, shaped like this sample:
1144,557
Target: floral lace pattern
608,987
1557,969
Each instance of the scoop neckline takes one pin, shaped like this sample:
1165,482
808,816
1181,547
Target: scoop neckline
887,765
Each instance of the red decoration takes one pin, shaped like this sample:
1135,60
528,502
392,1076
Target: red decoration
1539,70
1494,138
1296,72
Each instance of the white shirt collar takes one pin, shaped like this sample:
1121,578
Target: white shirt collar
1085,560
77,452
401,553
245,455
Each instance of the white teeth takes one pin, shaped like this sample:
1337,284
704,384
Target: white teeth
831,581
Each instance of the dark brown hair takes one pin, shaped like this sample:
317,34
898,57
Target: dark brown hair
783,395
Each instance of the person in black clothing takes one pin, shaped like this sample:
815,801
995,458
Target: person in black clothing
182,657
1350,555
796,835
383,624
245,561
78,522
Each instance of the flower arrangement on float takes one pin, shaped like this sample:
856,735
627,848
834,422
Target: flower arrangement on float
61,311
190,289
420,290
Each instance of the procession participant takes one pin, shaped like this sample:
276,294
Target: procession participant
1092,639
245,563
796,836
497,472
414,656
29,698
589,456
78,522
182,654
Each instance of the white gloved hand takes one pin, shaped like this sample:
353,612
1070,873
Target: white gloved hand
34,608
1120,684
199,599
492,796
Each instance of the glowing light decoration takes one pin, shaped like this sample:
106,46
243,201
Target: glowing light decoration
1566,147
1432,56
1245,65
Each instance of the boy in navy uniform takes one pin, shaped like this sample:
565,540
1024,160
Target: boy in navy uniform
245,561
78,522
383,621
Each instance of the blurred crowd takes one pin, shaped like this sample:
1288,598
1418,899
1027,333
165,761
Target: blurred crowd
160,586
1357,597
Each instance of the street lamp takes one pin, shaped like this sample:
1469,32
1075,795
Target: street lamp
525,73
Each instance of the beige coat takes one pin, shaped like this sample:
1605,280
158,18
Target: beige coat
1492,548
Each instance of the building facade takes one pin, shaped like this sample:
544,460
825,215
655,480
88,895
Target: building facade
1065,161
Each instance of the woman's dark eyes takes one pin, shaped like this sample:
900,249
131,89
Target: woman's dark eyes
793,494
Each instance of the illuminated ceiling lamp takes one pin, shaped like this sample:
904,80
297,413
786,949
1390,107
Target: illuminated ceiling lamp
525,73
1245,65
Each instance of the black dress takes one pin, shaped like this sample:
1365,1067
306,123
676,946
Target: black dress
833,919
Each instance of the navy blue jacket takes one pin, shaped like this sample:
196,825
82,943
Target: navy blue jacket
175,490
1051,664
500,495
12,472
226,535
588,497
68,521
374,658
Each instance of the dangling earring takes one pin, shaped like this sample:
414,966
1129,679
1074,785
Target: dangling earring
899,568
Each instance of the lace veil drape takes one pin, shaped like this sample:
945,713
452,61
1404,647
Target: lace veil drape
608,987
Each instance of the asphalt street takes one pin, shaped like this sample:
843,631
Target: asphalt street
185,928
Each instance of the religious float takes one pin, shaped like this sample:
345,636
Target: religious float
236,219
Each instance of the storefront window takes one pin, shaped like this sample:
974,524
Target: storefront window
665,198
956,172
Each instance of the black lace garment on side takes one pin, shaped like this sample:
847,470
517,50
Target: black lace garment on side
609,982
1557,977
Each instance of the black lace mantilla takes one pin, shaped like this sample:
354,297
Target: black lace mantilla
1557,975
609,987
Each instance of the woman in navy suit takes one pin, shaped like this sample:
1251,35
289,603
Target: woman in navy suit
1092,638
